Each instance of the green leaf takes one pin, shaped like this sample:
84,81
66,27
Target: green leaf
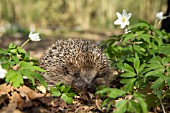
27,73
142,67
128,74
145,37
157,83
128,37
15,58
3,51
67,89
116,93
10,74
20,50
136,63
66,98
163,49
17,80
26,65
155,73
14,77
138,33
62,87
128,68
55,92
104,90
124,81
133,107
121,106
168,81
142,103
11,46
129,84
40,78
159,94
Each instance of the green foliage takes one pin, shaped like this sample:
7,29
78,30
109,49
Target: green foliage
127,103
65,92
143,57
18,65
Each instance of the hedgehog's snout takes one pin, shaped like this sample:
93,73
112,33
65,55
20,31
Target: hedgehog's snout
90,87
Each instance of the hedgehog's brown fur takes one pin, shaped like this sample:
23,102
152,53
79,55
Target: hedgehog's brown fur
76,62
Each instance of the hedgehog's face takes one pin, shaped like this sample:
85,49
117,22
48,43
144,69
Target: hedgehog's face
88,80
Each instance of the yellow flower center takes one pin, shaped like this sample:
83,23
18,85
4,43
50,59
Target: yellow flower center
123,19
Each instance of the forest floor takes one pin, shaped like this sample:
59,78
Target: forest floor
26,100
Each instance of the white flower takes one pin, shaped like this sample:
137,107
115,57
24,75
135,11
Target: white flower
2,72
123,19
34,36
159,16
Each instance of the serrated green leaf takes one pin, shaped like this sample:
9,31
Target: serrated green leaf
116,93
11,46
129,84
128,68
145,37
66,98
121,106
27,73
15,58
158,83
163,49
17,80
10,74
20,50
155,73
39,77
142,67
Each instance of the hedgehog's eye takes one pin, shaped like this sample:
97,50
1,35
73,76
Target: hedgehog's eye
76,74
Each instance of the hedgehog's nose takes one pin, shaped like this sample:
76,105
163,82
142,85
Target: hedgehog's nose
90,88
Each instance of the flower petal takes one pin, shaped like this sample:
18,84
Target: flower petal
122,25
118,15
118,22
124,13
34,36
128,15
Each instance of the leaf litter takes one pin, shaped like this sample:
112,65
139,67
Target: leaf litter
26,100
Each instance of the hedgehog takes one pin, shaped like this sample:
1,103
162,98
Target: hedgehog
78,63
